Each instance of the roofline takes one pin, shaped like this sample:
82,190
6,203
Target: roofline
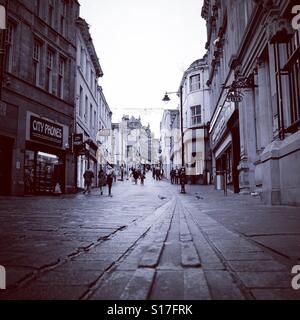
86,35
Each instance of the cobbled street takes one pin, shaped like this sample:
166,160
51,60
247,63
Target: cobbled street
148,242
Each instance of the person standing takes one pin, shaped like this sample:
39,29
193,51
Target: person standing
143,176
109,179
88,180
102,180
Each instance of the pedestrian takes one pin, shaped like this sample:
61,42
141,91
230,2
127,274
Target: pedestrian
153,173
182,180
88,180
136,175
109,179
143,177
172,174
177,176
158,178
102,180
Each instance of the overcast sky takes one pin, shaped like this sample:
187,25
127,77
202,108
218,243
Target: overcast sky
144,46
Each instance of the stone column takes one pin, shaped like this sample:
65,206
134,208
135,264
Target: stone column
248,143
264,119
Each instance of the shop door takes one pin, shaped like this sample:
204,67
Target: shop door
5,167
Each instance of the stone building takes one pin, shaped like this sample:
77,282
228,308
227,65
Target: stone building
132,143
253,54
90,99
37,97
196,116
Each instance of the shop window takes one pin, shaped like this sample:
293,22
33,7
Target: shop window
42,172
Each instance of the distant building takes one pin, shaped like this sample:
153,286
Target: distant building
37,97
253,58
170,142
132,143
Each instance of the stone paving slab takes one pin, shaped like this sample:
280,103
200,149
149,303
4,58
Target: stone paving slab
112,286
138,288
168,285
266,279
276,294
195,285
222,286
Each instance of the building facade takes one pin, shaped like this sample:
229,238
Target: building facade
253,55
105,137
88,97
170,141
37,97
196,116
132,146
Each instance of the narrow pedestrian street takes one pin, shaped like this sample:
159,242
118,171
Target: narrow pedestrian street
148,242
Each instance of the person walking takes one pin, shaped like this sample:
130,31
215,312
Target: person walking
88,180
102,180
109,179
135,175
172,174
182,180
177,176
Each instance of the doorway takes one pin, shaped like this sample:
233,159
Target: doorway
6,145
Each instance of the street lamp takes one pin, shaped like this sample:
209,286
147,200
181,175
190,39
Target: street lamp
167,99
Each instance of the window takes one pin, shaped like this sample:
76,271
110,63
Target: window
38,7
91,116
63,17
80,102
87,67
82,55
61,76
9,41
92,80
62,25
196,115
86,109
195,82
36,62
95,119
49,70
50,15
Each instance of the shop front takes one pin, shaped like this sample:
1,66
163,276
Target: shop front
45,156
86,153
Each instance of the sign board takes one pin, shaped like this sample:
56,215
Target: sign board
77,139
104,133
45,131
